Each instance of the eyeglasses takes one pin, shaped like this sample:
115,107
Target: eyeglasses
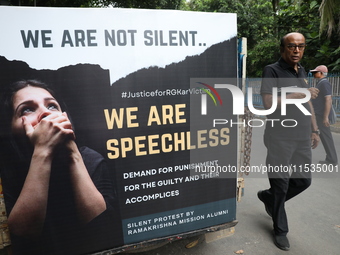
293,47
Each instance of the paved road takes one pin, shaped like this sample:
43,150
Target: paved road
314,217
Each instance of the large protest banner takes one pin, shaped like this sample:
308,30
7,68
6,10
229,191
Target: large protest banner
134,82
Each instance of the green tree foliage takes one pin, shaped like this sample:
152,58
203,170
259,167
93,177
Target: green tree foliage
265,22
330,14
304,17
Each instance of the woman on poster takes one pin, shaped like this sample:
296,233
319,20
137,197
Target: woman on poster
59,199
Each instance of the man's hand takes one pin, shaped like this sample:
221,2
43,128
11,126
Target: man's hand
313,92
315,140
326,122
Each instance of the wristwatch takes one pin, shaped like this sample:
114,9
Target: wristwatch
316,132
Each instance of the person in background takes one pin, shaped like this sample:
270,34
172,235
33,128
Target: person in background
322,107
287,146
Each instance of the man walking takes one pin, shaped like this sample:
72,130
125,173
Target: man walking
287,145
322,107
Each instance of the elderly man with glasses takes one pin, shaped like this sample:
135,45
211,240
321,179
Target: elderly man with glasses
288,146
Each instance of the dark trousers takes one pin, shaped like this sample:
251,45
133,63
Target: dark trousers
327,140
284,184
